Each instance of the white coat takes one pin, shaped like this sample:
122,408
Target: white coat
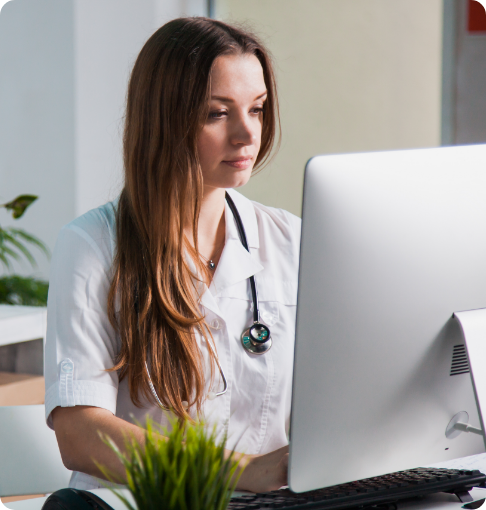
81,344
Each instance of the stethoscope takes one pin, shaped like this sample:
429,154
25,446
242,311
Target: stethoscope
256,339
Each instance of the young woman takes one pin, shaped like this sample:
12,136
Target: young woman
150,294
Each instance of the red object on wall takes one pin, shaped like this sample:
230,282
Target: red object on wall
476,17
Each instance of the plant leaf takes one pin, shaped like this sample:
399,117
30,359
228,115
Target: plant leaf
31,239
19,290
17,239
19,205
20,247
181,469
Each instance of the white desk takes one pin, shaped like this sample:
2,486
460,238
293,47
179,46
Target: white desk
22,323
36,504
439,501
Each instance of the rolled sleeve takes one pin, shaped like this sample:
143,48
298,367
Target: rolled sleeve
81,344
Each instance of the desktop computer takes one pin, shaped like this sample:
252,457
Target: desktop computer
393,244
391,330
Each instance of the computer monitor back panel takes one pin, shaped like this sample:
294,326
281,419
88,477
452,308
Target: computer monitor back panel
392,244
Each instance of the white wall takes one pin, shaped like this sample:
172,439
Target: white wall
64,66
108,35
353,75
37,115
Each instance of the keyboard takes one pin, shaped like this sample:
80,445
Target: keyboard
379,490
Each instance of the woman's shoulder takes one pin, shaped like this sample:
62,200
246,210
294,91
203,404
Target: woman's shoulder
95,229
98,221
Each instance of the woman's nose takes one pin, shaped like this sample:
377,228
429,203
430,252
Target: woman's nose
243,132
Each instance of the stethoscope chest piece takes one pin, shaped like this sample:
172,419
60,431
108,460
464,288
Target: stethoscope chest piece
256,339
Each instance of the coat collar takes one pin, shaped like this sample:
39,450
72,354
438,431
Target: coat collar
248,217
236,264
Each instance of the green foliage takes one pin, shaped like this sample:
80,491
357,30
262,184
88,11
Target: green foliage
13,240
185,470
17,290
12,246
19,205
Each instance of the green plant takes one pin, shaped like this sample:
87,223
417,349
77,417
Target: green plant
19,290
185,470
14,289
13,240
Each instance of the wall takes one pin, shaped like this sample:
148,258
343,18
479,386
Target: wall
353,76
107,37
64,66
108,34
469,119
37,115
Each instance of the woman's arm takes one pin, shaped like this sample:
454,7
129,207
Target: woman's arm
77,431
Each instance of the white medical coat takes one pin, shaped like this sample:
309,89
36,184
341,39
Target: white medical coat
81,343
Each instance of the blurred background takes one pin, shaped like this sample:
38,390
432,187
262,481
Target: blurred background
353,75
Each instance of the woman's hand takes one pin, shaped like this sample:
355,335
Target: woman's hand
264,472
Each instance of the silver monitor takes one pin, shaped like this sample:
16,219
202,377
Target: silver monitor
393,243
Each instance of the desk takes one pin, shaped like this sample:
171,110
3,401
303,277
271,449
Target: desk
105,494
22,323
439,501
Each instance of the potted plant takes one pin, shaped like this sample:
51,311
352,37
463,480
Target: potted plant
182,469
14,246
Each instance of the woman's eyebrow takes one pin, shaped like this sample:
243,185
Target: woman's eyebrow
229,100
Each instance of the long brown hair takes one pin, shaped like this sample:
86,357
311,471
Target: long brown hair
153,301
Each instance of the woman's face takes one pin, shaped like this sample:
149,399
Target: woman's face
230,139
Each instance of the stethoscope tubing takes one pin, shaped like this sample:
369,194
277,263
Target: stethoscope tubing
244,242
213,395
255,349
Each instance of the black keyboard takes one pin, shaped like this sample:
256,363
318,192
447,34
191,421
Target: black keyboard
380,490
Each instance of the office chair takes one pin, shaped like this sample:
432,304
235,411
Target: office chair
30,462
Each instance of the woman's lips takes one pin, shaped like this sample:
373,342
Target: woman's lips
241,163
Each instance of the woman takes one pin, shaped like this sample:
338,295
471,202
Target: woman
154,289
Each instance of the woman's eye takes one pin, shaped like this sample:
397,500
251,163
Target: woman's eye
217,114
258,110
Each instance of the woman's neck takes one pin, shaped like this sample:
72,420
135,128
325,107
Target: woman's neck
211,225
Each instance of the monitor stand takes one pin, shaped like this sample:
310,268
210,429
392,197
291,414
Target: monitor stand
473,325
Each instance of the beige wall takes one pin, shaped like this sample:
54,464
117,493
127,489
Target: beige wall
354,75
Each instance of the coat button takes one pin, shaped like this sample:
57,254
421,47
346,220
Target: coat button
67,367
215,324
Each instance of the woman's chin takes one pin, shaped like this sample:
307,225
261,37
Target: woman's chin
234,181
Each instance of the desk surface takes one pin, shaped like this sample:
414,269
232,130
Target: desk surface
22,323
36,503
439,501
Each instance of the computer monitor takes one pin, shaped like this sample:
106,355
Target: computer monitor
393,243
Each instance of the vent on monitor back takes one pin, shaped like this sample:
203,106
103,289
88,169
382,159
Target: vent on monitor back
460,364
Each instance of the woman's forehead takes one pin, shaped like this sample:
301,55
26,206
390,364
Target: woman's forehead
237,74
